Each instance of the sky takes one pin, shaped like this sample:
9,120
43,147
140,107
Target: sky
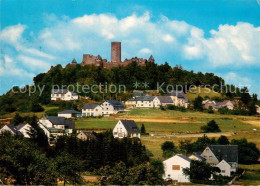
222,37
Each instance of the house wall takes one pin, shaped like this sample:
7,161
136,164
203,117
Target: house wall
225,168
108,109
120,131
209,156
65,115
156,102
92,112
144,104
46,131
6,129
25,130
82,136
65,97
46,123
176,174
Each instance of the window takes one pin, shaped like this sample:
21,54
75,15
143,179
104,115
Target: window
207,150
223,171
210,157
176,167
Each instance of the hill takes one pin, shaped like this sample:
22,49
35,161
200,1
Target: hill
78,77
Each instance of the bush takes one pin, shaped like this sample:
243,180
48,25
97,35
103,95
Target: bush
173,107
211,127
168,149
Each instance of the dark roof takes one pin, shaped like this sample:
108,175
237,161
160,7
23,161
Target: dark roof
184,157
142,98
222,104
13,128
130,126
59,91
227,152
138,94
92,106
179,94
55,120
90,135
74,61
196,154
165,99
20,126
69,112
115,103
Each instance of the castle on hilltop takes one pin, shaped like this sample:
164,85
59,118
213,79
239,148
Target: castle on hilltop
89,59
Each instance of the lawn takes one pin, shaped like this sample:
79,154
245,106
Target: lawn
199,91
167,122
95,123
251,176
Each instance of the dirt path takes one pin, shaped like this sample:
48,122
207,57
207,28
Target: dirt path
158,119
192,135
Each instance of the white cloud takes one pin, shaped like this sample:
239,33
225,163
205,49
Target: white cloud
238,80
145,51
9,68
33,63
168,38
12,34
231,45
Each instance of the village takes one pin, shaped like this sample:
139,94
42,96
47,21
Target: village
224,157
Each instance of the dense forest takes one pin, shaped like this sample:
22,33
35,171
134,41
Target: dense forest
74,75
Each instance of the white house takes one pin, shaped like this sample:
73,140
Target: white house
179,98
63,95
143,102
126,128
225,168
92,110
226,103
173,168
57,125
214,154
9,128
86,136
257,109
69,114
163,101
112,107
23,129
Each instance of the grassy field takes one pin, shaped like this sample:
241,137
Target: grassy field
198,91
160,122
38,114
251,176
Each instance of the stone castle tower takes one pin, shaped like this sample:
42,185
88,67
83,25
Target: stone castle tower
116,52
89,59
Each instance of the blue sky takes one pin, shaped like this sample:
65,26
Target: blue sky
221,36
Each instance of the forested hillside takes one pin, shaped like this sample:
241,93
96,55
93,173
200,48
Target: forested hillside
152,73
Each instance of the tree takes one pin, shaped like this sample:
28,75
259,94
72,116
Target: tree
186,147
198,103
69,169
37,134
143,174
247,151
22,163
17,119
199,170
223,140
211,127
168,148
143,131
